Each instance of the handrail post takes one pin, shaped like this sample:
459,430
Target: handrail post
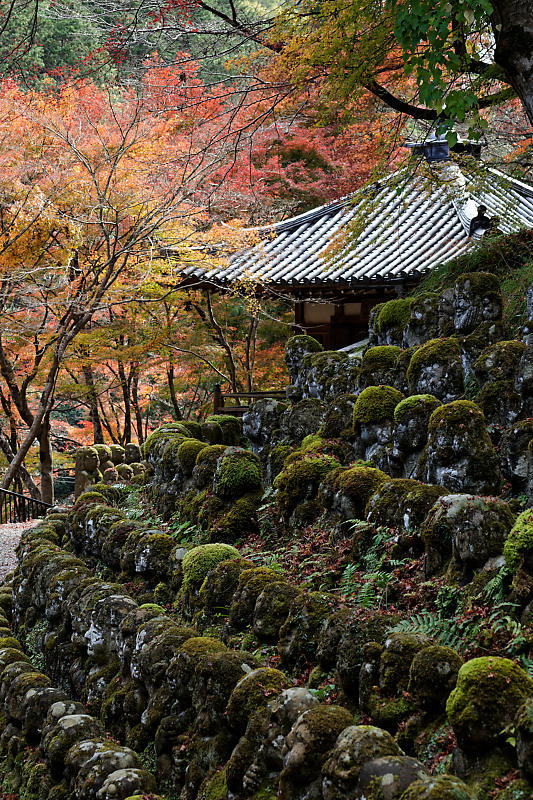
218,400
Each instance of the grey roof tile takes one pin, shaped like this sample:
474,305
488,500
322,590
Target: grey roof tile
412,224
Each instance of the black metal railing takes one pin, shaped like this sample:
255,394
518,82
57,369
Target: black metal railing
16,507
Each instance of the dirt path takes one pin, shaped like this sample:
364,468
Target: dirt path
9,539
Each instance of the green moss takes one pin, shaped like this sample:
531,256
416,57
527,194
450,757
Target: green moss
394,315
307,344
380,357
88,498
388,712
435,352
437,787
324,360
426,403
252,693
453,415
240,520
485,283
300,481
199,646
198,561
238,472
488,694
104,452
497,397
314,443
230,426
188,452
519,543
194,428
164,434
220,584
217,788
499,361
276,458
376,404
432,662
325,723
399,498
210,454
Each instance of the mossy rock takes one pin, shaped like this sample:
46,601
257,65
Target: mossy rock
488,694
316,444
220,584
305,417
379,365
414,405
300,480
276,459
356,746
272,608
238,472
230,426
309,742
252,693
162,436
499,362
240,520
437,787
339,417
456,414
518,547
199,560
402,502
359,484
251,584
499,402
299,634
296,348
435,352
433,675
376,404
206,463
212,433
188,452
399,651
394,316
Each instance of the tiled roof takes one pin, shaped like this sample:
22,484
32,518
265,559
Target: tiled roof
405,226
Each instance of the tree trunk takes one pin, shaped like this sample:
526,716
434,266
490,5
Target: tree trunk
46,461
172,389
45,405
93,405
27,480
125,386
512,23
135,403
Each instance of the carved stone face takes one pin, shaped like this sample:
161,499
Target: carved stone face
132,453
90,461
410,434
473,307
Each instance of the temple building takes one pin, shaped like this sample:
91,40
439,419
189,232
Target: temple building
340,259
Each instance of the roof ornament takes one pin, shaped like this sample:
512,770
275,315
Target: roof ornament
436,148
480,222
